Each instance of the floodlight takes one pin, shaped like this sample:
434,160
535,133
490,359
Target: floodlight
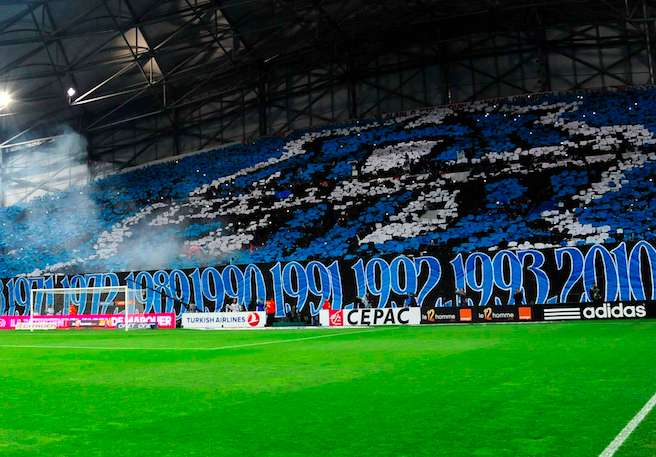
71,91
5,99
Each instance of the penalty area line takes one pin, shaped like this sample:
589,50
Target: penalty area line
630,428
218,348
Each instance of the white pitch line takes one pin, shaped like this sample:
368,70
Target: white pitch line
630,427
219,348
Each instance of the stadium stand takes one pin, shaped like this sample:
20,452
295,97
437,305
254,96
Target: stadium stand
535,171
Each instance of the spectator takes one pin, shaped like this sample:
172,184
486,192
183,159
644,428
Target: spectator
518,296
234,306
291,315
461,297
270,307
367,301
410,301
252,306
305,316
314,319
595,294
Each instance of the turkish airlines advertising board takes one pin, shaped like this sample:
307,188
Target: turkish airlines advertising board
218,321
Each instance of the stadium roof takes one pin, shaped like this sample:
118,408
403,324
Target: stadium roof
130,60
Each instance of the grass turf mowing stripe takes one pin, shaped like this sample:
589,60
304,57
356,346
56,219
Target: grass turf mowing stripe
630,427
219,348
544,390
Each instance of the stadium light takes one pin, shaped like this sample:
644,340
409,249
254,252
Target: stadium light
5,99
70,92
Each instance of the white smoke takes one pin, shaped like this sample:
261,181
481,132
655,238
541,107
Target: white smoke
46,184
149,247
45,166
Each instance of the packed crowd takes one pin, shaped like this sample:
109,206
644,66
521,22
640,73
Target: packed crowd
549,170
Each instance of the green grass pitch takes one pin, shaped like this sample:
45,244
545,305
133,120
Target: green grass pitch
480,390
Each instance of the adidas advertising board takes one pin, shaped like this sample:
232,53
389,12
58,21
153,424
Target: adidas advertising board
372,316
218,321
605,311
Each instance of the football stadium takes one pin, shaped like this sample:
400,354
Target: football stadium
328,228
